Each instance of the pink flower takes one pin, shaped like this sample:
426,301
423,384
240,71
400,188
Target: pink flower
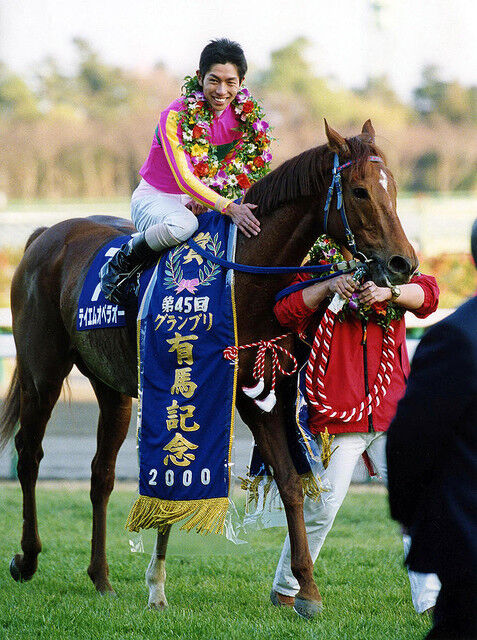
267,156
242,96
260,125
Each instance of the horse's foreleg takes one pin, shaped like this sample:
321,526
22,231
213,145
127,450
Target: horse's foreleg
36,404
270,436
156,572
114,416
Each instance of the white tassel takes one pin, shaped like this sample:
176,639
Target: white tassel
267,403
254,392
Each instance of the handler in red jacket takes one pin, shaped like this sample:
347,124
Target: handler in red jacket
349,375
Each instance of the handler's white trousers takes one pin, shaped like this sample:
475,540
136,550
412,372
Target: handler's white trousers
319,516
163,216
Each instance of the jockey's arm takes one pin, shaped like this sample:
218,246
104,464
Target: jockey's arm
180,164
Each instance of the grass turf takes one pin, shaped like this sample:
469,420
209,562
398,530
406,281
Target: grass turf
216,590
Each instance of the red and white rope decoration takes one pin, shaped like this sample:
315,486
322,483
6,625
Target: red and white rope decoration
319,355
232,352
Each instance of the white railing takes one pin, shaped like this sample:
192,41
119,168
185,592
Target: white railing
435,223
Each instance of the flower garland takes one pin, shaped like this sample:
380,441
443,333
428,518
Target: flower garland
250,158
326,251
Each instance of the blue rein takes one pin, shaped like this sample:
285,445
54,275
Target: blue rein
248,268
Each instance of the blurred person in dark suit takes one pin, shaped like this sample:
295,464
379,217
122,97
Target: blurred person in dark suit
432,466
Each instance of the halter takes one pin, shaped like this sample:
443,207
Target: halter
336,182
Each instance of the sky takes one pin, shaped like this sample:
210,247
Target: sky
348,41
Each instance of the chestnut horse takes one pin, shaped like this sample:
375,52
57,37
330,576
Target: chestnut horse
45,291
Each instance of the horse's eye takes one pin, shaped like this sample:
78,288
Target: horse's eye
361,193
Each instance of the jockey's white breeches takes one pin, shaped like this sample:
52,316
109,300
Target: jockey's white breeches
319,516
163,217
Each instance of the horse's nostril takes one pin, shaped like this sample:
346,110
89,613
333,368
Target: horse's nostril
400,265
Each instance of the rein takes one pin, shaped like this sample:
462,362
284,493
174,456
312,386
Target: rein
344,266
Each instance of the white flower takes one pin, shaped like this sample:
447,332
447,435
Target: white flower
232,181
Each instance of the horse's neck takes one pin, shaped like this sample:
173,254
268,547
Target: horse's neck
286,235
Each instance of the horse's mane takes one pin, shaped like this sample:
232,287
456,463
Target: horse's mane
307,174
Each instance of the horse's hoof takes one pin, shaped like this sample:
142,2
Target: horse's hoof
281,600
158,606
16,573
307,609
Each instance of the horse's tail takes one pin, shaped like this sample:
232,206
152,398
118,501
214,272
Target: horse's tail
34,236
10,410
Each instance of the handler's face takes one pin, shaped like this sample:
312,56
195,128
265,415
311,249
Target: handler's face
220,85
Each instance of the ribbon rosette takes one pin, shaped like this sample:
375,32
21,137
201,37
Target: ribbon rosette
189,285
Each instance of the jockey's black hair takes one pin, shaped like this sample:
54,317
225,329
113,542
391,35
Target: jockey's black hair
473,241
221,51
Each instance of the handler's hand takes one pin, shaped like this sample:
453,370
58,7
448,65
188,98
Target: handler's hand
344,285
196,207
369,293
243,217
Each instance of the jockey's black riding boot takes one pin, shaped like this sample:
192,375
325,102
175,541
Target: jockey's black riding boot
120,275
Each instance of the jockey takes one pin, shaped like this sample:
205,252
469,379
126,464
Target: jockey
356,349
210,145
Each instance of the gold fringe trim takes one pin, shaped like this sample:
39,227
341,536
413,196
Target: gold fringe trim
312,486
206,515
326,445
251,486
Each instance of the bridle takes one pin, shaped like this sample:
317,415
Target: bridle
336,182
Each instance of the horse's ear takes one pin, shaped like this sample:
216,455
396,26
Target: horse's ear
336,142
368,131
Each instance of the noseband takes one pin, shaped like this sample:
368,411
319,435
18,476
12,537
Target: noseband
336,182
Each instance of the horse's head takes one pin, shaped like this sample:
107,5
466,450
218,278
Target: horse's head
369,198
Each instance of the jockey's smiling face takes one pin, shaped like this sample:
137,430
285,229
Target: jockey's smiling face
220,85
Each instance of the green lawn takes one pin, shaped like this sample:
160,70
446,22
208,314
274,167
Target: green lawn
215,589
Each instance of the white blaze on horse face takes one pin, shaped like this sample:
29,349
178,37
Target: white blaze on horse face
383,181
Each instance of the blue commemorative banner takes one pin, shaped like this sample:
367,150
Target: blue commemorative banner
187,388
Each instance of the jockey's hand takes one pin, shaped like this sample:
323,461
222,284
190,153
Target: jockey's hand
369,293
344,285
243,217
196,207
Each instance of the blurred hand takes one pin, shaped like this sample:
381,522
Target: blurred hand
369,293
196,207
243,217
344,285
